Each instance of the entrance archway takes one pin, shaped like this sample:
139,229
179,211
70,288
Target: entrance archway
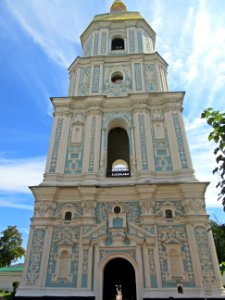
119,271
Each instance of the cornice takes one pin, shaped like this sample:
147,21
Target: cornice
164,100
154,57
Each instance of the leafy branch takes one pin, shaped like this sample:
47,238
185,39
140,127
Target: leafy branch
216,120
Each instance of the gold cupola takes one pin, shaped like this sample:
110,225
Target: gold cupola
118,6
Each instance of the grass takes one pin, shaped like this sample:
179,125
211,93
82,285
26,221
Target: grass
5,294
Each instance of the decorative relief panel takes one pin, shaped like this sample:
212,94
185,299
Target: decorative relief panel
194,206
77,131
174,248
88,207
104,43
74,155
140,42
56,146
157,115
117,89
147,41
149,228
180,142
95,232
204,253
75,207
92,146
159,131
138,77
131,41
151,83
162,156
44,209
132,209
104,252
147,206
34,264
86,229
109,116
63,238
137,231
47,209
160,205
95,82
88,46
96,38
163,161
153,278
84,81
143,146
84,278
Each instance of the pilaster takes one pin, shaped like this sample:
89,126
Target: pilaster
63,143
46,250
172,140
52,143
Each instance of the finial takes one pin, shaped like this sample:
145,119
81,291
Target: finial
118,6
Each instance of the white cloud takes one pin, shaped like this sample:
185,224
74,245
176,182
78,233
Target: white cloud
18,174
13,204
194,124
203,158
55,25
51,24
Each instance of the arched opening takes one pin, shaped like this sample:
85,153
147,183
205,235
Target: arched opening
119,272
118,153
117,77
68,216
180,289
169,214
117,44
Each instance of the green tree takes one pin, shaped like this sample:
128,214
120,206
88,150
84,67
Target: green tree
216,120
222,268
10,246
218,231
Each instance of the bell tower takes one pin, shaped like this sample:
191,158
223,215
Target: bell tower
119,212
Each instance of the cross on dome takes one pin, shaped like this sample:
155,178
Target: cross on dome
118,6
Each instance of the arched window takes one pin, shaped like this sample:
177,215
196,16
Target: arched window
117,77
68,216
118,153
169,214
180,289
117,44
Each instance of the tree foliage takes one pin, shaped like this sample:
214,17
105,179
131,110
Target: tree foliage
218,231
216,120
10,246
222,267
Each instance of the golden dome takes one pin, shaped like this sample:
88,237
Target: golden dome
118,6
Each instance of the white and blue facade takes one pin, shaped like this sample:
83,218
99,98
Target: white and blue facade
119,195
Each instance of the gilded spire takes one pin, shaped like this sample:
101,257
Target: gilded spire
118,6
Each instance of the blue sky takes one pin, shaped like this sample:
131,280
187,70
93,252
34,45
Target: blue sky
38,41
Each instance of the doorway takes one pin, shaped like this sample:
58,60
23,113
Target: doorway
119,272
